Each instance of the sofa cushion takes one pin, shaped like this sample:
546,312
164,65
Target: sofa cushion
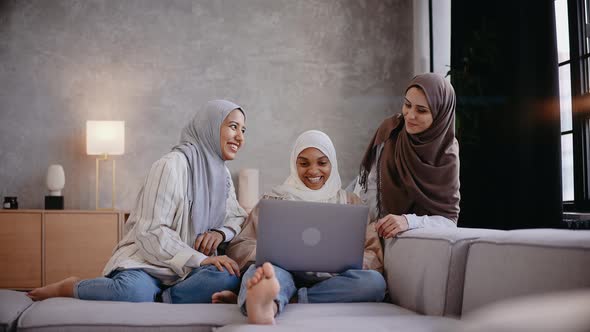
348,317
562,311
65,314
359,323
522,262
12,304
318,311
61,314
425,268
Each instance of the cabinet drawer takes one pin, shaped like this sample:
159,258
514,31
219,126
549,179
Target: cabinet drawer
20,250
78,244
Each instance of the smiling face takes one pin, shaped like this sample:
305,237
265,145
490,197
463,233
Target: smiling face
232,134
416,111
313,168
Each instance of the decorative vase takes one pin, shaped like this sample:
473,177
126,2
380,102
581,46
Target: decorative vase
248,188
56,180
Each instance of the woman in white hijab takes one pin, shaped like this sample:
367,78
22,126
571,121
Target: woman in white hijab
266,290
185,209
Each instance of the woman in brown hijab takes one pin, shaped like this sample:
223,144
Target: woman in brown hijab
409,175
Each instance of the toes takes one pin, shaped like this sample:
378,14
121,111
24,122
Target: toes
258,275
249,283
32,297
269,271
218,297
259,272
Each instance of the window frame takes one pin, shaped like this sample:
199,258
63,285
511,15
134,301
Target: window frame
579,61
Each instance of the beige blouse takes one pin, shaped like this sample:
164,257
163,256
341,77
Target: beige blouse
159,234
242,248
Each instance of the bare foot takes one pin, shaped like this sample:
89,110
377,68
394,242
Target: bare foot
225,297
63,288
262,289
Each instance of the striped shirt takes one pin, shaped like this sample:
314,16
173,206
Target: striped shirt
159,235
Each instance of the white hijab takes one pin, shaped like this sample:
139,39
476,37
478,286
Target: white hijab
294,188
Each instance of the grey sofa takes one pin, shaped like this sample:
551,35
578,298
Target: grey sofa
438,280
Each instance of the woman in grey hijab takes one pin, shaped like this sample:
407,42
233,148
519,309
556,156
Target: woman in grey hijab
409,175
185,209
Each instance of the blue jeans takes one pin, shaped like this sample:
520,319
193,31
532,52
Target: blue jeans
350,286
138,286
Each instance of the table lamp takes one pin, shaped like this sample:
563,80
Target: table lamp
105,138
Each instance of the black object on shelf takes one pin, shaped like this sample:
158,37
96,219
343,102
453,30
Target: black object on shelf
10,202
54,202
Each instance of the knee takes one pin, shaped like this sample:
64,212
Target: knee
222,279
132,291
372,285
378,285
229,282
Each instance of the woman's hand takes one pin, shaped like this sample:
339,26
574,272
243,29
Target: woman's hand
223,261
208,242
391,225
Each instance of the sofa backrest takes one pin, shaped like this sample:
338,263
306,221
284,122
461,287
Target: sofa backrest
525,262
424,268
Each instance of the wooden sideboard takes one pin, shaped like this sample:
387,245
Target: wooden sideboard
38,247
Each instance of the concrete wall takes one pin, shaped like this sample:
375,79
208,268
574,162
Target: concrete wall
337,66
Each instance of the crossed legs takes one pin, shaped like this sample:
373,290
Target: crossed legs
138,286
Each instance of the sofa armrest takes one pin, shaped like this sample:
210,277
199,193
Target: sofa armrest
425,268
12,305
525,262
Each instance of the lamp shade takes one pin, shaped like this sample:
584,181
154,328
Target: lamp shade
105,137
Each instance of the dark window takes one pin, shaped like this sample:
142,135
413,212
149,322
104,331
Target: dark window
573,47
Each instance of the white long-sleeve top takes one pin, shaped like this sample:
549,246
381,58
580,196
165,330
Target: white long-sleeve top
159,233
370,199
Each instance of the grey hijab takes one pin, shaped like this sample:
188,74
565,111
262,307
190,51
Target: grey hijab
209,181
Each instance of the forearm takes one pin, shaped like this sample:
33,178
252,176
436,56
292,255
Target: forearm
232,226
228,233
163,247
415,221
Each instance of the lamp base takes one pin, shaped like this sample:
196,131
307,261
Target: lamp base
97,192
54,202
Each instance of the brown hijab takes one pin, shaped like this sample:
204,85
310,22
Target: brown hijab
418,173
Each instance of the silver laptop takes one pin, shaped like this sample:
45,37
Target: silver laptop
311,237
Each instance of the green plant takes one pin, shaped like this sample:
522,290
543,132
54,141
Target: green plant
472,79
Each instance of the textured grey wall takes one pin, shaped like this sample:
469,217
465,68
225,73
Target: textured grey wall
337,66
